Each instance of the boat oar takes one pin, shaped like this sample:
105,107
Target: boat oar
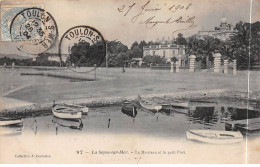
56,125
22,125
35,126
108,123
53,103
134,114
157,108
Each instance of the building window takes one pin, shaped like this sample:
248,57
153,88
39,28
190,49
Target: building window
164,53
173,52
180,52
153,53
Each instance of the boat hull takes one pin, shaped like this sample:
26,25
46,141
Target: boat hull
147,108
75,106
180,104
10,122
181,110
214,137
64,112
72,116
130,112
129,109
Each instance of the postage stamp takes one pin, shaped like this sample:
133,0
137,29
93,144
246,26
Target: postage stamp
8,12
34,30
82,44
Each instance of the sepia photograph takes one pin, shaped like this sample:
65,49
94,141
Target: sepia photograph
130,82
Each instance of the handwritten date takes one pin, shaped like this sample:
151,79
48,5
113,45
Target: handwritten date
149,15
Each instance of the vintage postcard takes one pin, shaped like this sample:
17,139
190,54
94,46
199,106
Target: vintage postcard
129,81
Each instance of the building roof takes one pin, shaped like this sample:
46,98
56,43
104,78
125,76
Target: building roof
158,47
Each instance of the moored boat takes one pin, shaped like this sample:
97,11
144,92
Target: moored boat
75,106
181,110
214,136
10,121
149,105
166,107
64,112
179,103
129,109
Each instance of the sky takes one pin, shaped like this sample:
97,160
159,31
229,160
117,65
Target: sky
110,17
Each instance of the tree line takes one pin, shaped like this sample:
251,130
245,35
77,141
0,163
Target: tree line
27,62
243,45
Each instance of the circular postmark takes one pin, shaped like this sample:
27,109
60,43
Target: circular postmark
82,46
34,30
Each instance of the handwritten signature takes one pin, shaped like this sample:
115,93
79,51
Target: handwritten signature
152,20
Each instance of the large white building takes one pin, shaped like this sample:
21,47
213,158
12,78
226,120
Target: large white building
167,51
222,32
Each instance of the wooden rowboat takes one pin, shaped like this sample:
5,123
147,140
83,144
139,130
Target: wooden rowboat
129,109
10,121
180,104
75,106
166,106
171,102
214,136
64,112
149,106
181,110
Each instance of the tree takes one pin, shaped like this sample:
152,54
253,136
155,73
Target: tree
152,43
174,59
129,54
137,52
117,60
154,59
202,48
142,44
180,40
118,53
88,54
134,45
194,46
226,50
245,41
115,47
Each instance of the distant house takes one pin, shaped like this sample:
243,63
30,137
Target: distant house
168,51
222,32
51,57
54,57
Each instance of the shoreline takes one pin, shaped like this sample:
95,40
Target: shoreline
45,108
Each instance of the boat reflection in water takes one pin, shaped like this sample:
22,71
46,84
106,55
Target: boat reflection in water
72,124
10,126
10,130
129,109
203,115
